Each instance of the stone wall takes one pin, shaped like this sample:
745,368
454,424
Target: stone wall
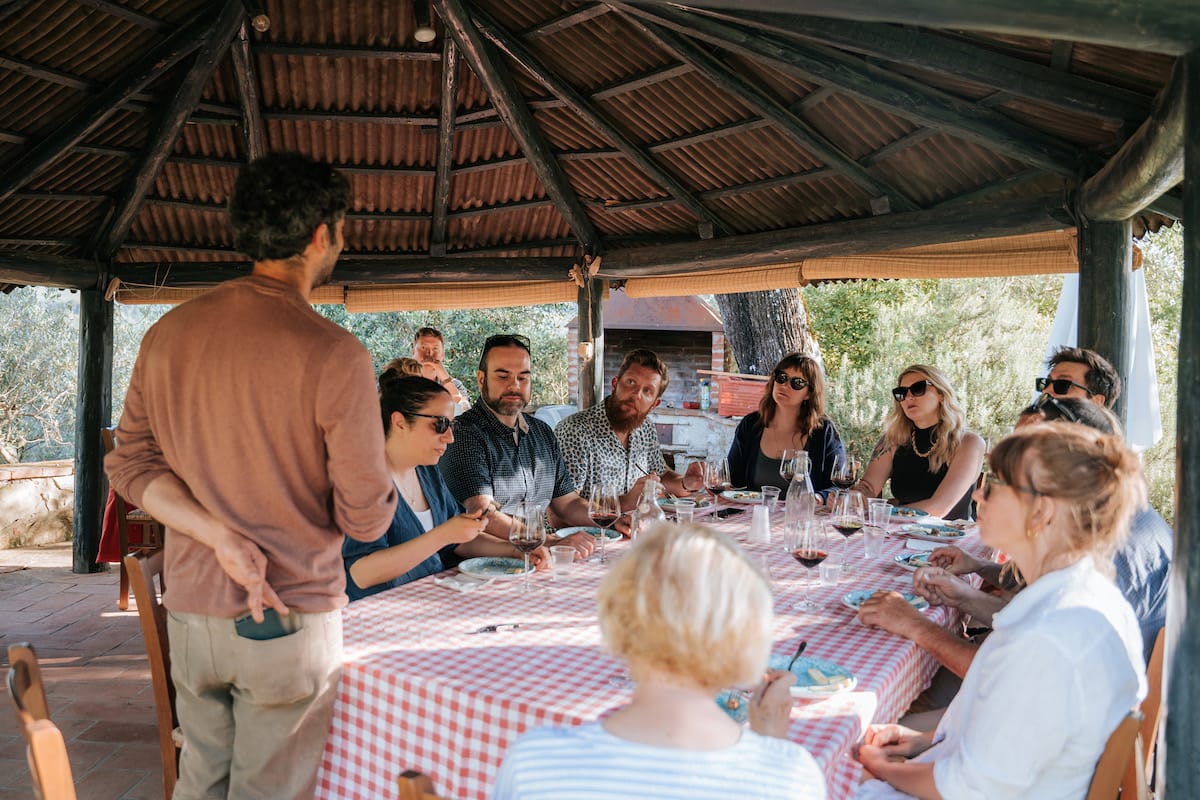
36,503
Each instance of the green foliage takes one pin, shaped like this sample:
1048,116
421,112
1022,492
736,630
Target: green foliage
390,334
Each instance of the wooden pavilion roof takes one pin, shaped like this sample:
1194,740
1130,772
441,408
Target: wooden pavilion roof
528,133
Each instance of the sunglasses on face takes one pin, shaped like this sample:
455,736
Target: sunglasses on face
917,389
796,383
1058,385
440,424
991,480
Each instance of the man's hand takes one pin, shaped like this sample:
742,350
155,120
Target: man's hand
897,740
540,559
942,588
955,560
583,542
246,565
693,477
891,612
771,704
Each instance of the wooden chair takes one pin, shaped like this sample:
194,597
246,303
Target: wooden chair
1122,747
45,747
151,530
415,786
1152,713
143,569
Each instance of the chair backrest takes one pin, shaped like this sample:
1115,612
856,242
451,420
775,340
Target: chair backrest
1152,712
1122,747
46,749
153,618
415,786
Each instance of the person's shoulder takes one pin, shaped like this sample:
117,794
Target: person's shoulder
783,759
750,421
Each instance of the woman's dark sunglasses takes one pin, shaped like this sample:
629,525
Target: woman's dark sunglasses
990,480
917,389
1058,385
440,424
796,383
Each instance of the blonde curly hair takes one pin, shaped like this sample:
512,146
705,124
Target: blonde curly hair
951,426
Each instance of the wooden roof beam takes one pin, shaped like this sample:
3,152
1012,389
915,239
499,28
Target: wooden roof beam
878,87
124,12
958,59
174,116
254,135
563,21
375,53
445,148
843,238
1160,26
1150,162
26,268
591,114
796,128
519,120
104,104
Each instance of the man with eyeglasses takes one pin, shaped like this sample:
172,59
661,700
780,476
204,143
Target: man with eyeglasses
611,441
429,349
502,456
1082,373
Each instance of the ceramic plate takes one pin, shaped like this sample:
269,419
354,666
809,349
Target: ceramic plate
905,511
855,599
816,678
668,504
735,704
913,560
497,568
742,496
934,533
611,533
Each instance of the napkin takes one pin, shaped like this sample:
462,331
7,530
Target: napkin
922,545
462,583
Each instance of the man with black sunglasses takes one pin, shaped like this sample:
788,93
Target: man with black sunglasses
1079,372
502,456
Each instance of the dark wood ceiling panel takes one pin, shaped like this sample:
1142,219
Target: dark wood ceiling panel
856,128
81,172
49,218
943,166
506,227
667,109
610,179
738,159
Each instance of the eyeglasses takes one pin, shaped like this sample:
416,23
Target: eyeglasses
440,424
991,480
1047,402
795,382
506,340
1058,385
917,389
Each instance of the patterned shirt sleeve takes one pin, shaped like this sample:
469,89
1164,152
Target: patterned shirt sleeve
465,466
571,443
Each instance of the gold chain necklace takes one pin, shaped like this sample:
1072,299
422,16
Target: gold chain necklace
912,437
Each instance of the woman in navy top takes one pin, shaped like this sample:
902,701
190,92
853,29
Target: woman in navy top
790,416
417,420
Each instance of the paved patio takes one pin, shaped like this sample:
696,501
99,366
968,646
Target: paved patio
96,673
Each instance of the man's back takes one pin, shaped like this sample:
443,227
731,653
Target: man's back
268,413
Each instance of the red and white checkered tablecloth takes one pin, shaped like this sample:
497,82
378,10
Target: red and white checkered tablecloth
420,692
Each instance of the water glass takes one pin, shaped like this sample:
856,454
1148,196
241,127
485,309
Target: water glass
873,542
770,496
831,573
760,526
685,511
563,558
881,514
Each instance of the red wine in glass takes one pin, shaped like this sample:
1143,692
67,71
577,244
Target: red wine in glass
842,481
525,545
809,558
847,527
605,520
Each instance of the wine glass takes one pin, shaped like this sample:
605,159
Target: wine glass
604,507
716,476
787,464
845,470
527,533
847,518
807,542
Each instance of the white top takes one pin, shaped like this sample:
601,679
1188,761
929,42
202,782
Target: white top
589,763
425,518
1060,670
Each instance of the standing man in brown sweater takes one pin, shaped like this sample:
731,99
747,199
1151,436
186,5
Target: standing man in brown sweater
251,430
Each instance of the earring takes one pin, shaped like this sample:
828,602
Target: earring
1032,534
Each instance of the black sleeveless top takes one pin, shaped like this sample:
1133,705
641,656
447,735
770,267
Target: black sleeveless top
912,480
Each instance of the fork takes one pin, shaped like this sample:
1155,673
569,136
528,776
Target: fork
511,626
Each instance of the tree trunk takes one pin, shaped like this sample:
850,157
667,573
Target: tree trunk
763,327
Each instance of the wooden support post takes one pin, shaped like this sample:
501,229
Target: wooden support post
1178,775
591,343
93,410
1106,295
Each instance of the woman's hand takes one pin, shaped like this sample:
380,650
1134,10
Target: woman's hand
942,588
462,527
771,704
955,560
540,559
896,741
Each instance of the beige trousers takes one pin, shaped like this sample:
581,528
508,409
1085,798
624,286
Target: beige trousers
254,714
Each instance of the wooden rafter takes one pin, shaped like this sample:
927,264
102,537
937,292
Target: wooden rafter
793,126
517,117
374,53
893,93
591,114
445,148
1161,26
216,44
960,59
103,105
566,20
128,14
254,136
23,267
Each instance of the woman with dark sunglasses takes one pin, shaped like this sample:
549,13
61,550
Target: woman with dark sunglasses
417,421
927,453
790,416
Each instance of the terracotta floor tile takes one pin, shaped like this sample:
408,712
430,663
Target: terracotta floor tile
138,755
107,784
127,732
85,755
148,788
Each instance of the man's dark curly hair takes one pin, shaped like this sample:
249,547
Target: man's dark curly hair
280,200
